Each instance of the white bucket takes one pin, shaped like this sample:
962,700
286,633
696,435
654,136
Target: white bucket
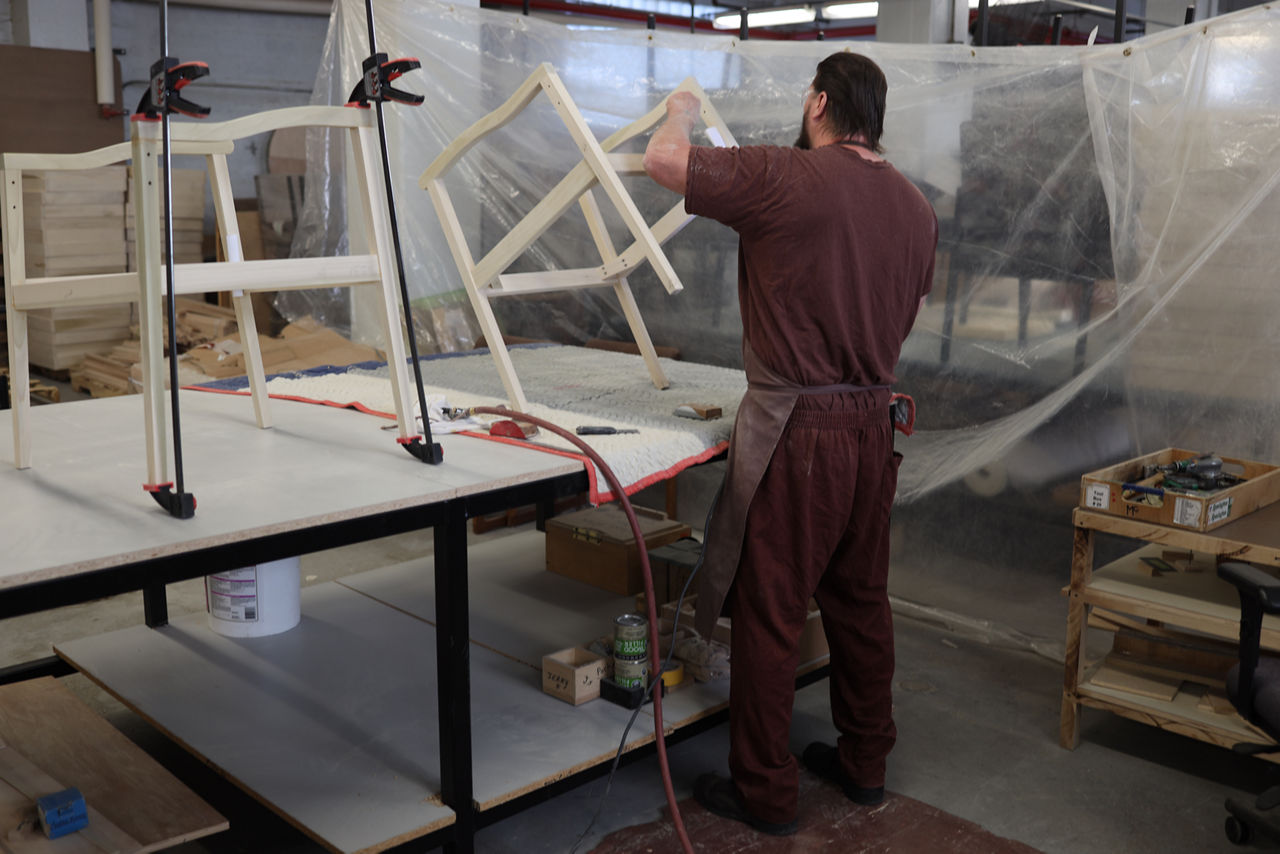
255,601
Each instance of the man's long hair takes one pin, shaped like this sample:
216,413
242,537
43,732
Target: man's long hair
855,88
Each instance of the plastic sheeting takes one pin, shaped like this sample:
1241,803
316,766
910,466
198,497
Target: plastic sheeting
1106,271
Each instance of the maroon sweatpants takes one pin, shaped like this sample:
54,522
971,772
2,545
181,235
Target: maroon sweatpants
818,527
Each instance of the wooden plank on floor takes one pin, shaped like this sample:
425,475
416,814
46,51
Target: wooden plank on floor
73,745
21,783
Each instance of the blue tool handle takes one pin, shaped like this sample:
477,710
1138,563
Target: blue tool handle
1136,487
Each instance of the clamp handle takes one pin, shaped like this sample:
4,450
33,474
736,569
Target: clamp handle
169,75
377,72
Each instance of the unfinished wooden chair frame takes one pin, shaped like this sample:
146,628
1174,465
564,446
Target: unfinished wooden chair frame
146,285
486,280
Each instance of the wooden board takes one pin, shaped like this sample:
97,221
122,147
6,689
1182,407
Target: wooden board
248,481
72,744
323,723
1147,685
21,783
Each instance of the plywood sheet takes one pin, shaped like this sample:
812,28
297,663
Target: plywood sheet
517,607
316,465
325,723
522,611
73,745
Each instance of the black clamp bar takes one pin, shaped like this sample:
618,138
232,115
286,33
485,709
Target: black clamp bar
169,76
374,87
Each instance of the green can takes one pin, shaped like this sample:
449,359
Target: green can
631,636
630,672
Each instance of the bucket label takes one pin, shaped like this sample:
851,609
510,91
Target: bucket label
233,595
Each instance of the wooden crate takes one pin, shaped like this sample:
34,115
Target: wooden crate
1103,490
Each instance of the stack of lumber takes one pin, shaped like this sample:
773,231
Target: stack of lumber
74,221
74,225
109,374
188,219
59,338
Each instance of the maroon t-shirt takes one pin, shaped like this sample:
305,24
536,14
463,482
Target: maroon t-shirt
835,254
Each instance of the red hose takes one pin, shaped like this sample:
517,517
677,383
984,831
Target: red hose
654,663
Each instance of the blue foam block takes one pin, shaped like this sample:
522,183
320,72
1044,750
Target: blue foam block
62,812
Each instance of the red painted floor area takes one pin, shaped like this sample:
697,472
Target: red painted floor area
829,822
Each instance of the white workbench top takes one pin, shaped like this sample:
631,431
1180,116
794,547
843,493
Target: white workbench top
81,506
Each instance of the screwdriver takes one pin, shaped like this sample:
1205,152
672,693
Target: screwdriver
602,431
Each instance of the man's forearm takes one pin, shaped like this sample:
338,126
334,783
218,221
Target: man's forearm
666,158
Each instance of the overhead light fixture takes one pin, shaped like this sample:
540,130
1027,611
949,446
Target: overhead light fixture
844,11
765,18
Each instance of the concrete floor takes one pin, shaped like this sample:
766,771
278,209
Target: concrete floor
977,701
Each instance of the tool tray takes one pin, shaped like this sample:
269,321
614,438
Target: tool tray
1103,490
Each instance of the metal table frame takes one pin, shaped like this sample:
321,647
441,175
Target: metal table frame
448,520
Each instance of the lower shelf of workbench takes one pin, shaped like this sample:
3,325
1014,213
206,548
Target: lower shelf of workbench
333,724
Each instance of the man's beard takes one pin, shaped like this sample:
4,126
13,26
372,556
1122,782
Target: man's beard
802,141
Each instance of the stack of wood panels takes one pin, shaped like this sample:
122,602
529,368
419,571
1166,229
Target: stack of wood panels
188,219
74,221
73,225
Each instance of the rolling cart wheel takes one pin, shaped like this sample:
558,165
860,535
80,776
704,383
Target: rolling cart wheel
1237,831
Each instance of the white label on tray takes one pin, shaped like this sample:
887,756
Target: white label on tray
1098,496
1219,510
233,595
1186,512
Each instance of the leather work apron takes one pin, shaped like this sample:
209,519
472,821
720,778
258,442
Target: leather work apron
762,417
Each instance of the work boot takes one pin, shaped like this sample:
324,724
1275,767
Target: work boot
720,796
824,760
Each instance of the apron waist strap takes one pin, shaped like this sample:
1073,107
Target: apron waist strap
842,388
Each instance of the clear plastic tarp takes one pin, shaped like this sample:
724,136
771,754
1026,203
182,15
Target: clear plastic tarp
1107,262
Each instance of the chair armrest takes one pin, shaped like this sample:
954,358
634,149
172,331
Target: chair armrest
1253,583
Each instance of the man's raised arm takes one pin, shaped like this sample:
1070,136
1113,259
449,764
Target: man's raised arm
666,158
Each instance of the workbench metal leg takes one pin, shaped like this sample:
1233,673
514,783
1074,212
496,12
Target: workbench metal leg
155,606
544,509
453,674
1077,618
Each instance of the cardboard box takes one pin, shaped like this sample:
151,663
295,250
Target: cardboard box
597,546
573,674
1103,490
